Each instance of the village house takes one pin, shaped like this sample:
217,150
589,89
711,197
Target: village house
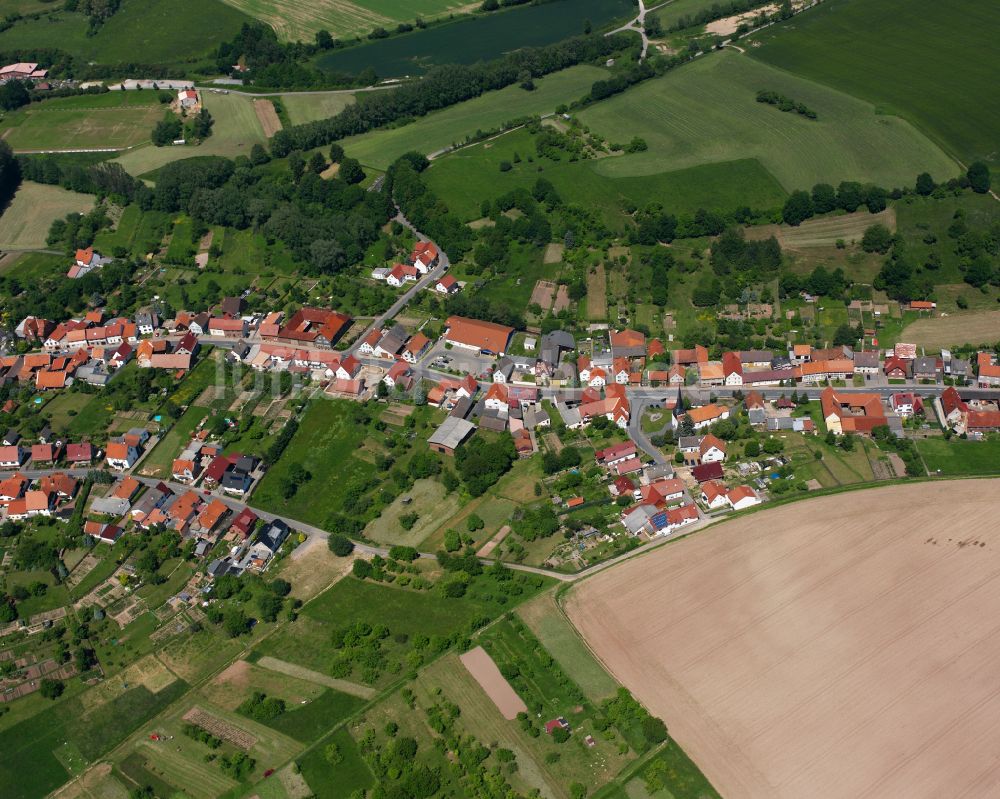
852,413
988,371
447,285
615,454
400,274
310,327
121,456
415,347
906,404
11,457
227,327
732,369
706,415
424,256
742,497
713,494
86,261
711,449
399,374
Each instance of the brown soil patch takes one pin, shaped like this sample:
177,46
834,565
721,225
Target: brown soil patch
485,672
597,294
553,253
330,172
312,568
267,117
562,299
841,647
238,674
728,25
487,549
542,293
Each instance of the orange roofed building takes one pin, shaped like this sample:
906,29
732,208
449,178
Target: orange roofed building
472,334
317,327
852,413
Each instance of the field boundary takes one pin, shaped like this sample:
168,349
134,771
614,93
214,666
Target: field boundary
302,673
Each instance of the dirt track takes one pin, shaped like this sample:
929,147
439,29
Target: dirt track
842,647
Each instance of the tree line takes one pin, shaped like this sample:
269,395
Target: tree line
443,86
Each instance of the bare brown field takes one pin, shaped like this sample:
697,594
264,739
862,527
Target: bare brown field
946,331
543,293
267,117
597,294
841,647
485,672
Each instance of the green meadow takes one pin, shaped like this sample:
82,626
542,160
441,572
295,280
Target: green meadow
449,126
923,60
467,177
706,112
141,31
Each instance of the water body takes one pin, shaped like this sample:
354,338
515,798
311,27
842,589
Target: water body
477,38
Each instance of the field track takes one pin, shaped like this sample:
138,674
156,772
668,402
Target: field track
841,647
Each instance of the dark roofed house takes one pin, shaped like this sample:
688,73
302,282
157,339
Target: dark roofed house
11,438
244,522
707,471
274,535
232,306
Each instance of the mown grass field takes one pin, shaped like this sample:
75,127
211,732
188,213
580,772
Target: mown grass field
973,327
450,126
236,130
706,112
293,20
141,31
958,457
467,177
115,119
25,223
324,444
304,108
566,646
926,70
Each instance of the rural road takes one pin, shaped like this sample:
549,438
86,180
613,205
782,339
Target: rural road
639,26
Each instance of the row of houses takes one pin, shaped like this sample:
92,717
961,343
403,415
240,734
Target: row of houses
23,498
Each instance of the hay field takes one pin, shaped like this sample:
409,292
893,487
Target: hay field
841,647
824,231
25,223
115,119
948,331
236,130
294,20
707,112
304,108
924,71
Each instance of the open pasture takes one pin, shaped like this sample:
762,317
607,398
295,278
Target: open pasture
442,129
707,112
304,108
427,498
236,130
114,119
925,71
150,31
840,647
294,21
24,224
472,174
